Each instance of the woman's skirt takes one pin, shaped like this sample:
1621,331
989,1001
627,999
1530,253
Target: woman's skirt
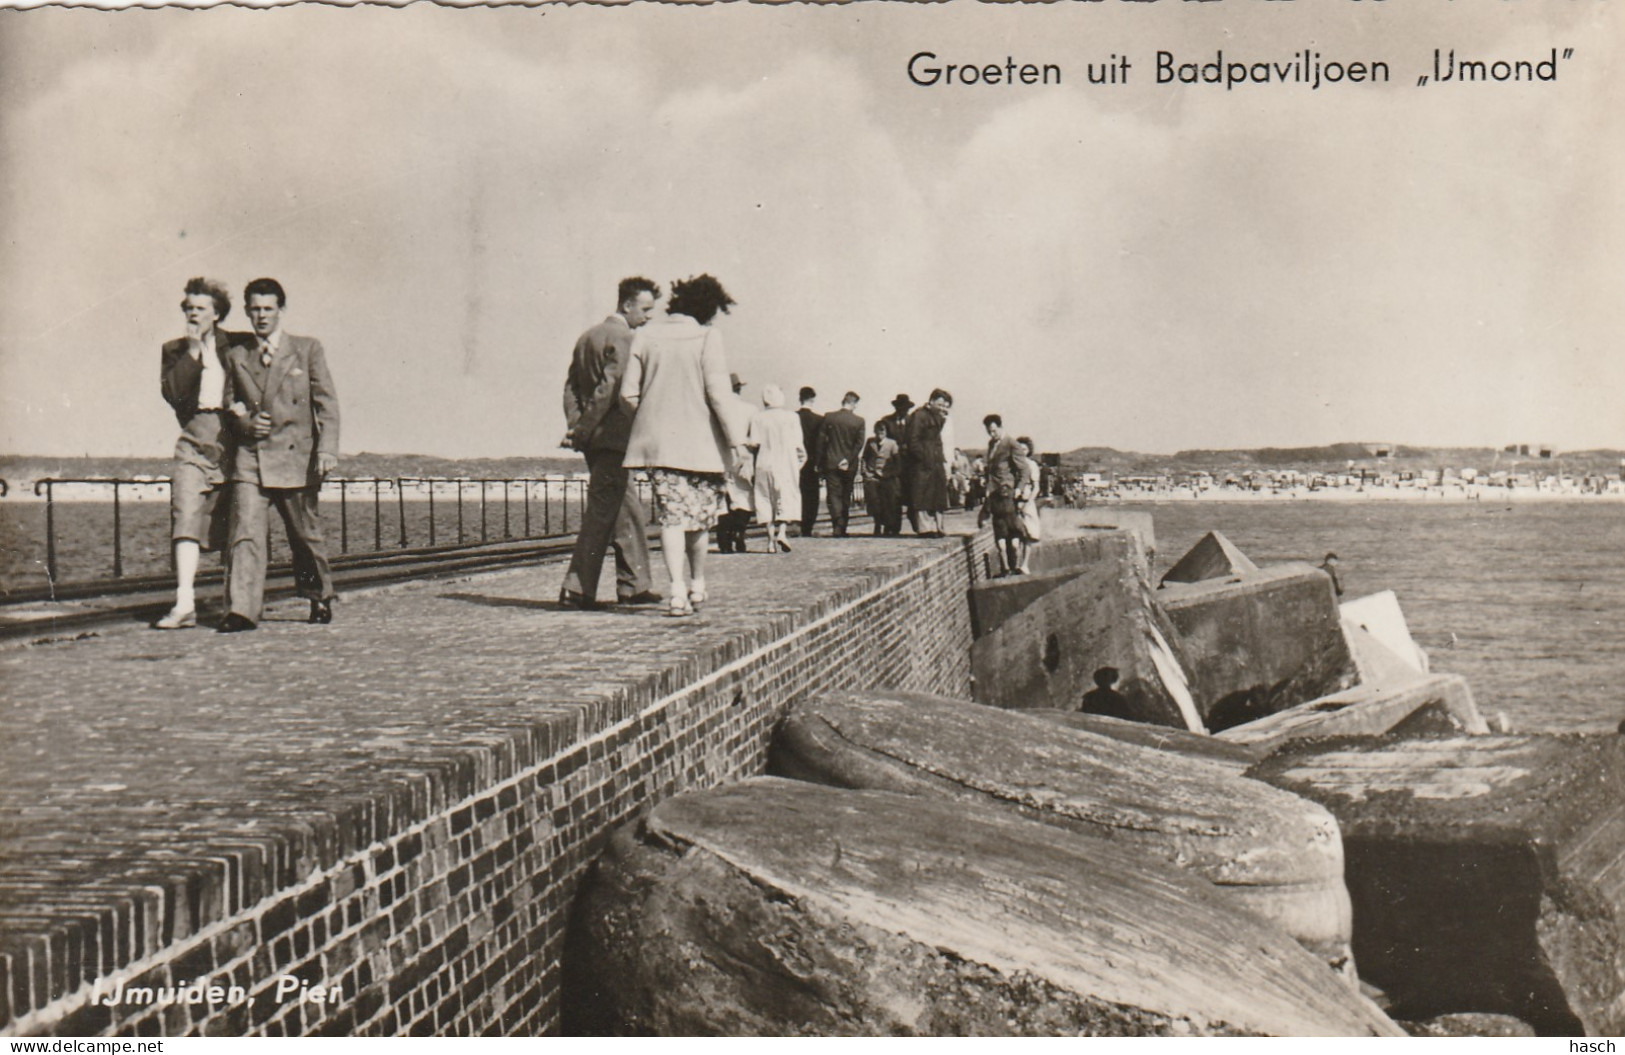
691,501
1028,508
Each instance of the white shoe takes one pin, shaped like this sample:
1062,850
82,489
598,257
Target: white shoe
177,620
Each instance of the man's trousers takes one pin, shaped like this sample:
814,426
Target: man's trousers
614,516
809,499
838,490
250,541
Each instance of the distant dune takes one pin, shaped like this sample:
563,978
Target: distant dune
1337,456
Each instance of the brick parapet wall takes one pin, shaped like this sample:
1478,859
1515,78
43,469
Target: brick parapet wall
441,907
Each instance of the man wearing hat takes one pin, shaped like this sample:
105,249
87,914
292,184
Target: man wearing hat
897,428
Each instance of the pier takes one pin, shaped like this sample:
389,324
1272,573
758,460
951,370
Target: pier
400,806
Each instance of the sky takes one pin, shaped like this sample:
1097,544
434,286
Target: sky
450,195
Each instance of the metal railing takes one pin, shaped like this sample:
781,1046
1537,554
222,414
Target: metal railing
530,508
48,486
377,485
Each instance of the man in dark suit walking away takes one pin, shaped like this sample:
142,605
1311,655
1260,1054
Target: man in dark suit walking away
599,425
812,424
286,413
840,446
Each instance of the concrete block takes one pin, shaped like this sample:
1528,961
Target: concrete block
1087,546
1276,854
1266,643
1428,704
1237,756
775,907
1052,562
1061,522
1379,615
1487,872
1046,654
1213,557
1376,662
994,601
1469,1025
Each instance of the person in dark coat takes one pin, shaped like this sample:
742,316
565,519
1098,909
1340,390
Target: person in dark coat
840,445
897,429
928,462
812,426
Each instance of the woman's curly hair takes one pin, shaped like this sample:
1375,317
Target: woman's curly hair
700,298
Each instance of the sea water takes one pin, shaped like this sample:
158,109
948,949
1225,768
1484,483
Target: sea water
1527,600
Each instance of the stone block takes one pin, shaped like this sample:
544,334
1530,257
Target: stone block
1380,617
1047,653
1469,1025
1213,557
994,601
1428,704
1273,853
1268,642
775,907
1376,662
1060,522
1487,872
1234,755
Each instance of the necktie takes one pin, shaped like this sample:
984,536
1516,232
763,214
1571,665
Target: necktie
265,353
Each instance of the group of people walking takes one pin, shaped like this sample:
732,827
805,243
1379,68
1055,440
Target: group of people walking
656,395
259,421
260,429
905,464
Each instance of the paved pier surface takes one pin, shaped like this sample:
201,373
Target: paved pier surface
138,761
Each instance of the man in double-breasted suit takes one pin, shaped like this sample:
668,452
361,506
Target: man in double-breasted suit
598,427
286,413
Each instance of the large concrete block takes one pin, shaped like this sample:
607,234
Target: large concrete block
1047,653
1488,872
775,907
1378,619
1213,557
1274,853
1086,547
1425,704
1063,522
1238,756
1268,642
1052,562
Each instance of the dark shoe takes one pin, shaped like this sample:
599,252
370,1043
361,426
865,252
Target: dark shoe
235,624
321,612
577,600
646,597
785,546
